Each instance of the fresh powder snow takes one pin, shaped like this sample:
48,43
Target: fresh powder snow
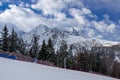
18,70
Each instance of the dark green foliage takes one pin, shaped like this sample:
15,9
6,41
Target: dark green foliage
13,41
47,52
116,70
62,53
50,55
92,61
21,46
35,47
43,52
98,63
95,61
82,61
5,39
70,62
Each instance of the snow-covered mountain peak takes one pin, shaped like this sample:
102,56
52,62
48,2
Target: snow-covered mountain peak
40,29
73,37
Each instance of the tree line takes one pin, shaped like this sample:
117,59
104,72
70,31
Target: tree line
98,59
11,42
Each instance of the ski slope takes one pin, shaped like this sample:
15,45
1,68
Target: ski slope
18,70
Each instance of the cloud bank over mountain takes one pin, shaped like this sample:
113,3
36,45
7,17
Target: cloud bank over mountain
68,14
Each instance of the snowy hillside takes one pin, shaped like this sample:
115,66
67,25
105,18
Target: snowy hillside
72,37
17,70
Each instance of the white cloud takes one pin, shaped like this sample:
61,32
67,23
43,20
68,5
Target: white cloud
77,14
51,7
111,27
91,33
23,18
86,11
24,5
26,19
102,26
55,7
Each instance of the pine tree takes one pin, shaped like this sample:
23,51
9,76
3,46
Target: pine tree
21,46
5,43
97,64
70,62
82,61
13,41
62,54
92,61
35,47
50,52
43,52
116,69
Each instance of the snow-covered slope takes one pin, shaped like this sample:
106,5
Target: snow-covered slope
17,70
72,37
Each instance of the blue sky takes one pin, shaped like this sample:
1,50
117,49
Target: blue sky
102,7
27,14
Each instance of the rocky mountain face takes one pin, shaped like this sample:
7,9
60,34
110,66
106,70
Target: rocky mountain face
74,38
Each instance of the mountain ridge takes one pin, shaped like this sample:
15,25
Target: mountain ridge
71,37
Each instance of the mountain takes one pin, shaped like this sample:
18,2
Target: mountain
74,38
32,71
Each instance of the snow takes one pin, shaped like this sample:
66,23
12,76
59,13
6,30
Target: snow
18,70
45,33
